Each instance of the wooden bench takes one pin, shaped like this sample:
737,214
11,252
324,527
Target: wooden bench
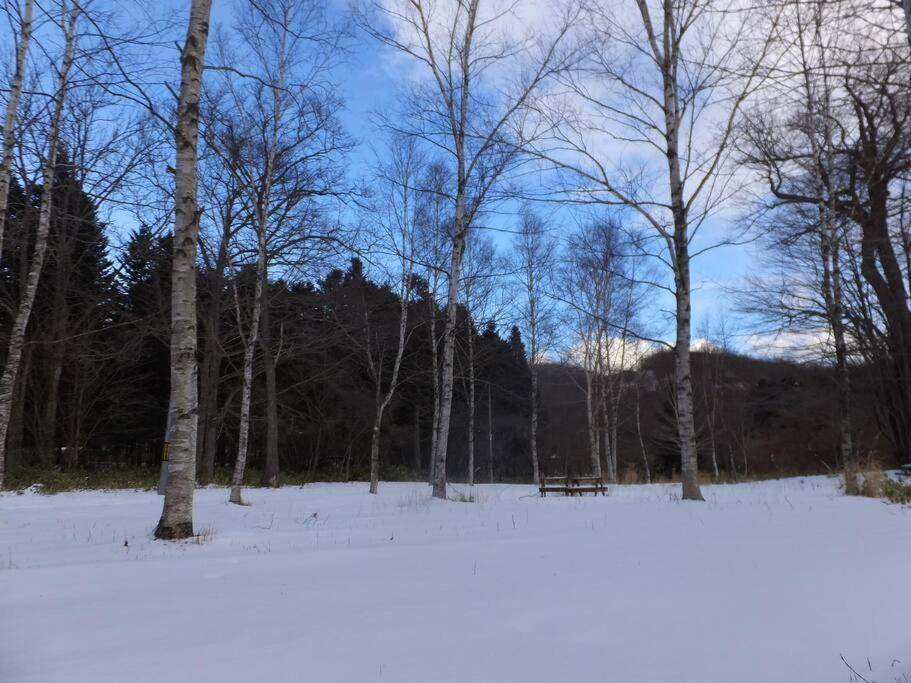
572,486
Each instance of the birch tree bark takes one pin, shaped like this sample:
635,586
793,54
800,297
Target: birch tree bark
250,343
383,398
435,372
416,449
642,450
177,515
489,437
69,18
472,403
271,470
9,121
592,420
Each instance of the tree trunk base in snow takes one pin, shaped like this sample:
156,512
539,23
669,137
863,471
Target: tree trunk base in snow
235,497
176,532
850,480
692,492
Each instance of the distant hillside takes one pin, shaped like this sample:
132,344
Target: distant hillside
758,416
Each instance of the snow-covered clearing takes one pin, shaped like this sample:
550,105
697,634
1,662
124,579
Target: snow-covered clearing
769,581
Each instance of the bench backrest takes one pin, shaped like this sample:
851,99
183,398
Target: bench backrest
571,481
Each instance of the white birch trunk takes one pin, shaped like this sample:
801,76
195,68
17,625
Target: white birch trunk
9,122
177,515
449,330
592,425
535,463
529,246
471,404
616,392
489,438
533,361
648,470
686,426
246,392
715,471
24,311
604,397
385,398
434,355
261,197
406,248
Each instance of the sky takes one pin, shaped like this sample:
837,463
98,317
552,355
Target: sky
370,79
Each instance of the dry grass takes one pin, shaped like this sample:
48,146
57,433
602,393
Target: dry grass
873,480
630,476
875,483
415,500
203,536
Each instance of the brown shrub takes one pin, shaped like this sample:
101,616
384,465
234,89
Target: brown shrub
872,480
630,475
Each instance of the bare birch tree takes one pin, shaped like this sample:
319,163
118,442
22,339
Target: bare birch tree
472,113
226,213
277,134
614,358
249,340
536,253
665,79
9,120
69,16
398,234
267,31
478,284
431,238
177,514
595,286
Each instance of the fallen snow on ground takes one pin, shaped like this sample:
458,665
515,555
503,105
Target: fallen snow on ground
772,581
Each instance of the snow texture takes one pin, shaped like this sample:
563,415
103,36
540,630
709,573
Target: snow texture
772,581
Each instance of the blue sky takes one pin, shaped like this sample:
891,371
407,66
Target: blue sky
369,79
368,83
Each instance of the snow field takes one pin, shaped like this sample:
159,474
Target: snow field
771,581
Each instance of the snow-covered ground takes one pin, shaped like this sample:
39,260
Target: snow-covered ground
772,581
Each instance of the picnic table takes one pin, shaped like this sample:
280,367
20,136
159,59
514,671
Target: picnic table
572,485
